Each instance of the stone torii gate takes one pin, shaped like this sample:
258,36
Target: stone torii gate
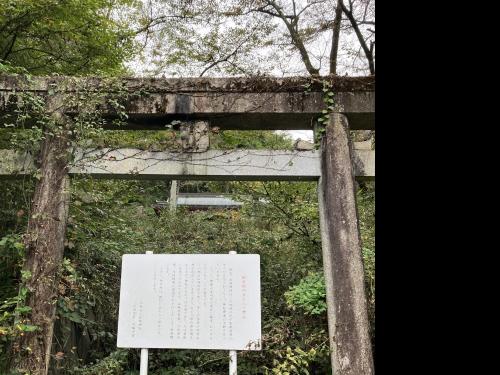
227,103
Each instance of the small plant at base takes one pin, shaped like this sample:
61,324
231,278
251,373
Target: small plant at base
309,295
296,361
13,310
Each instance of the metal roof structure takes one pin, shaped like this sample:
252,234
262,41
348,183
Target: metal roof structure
203,201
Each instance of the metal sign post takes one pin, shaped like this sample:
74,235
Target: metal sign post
233,364
144,352
233,359
144,362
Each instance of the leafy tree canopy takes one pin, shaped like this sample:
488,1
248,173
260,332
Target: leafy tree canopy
72,37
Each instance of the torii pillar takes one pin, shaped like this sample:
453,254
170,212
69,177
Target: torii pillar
350,345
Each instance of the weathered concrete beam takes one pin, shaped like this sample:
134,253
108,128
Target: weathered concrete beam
364,164
229,103
209,165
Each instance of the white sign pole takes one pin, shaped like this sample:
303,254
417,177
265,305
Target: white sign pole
144,352
144,362
233,359
233,364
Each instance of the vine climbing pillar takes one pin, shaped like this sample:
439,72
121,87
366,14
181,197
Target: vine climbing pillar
350,344
44,245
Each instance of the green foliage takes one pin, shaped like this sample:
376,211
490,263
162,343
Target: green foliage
109,218
74,37
13,310
154,140
13,207
73,302
295,361
292,204
329,102
159,140
309,295
29,108
12,252
366,217
113,364
32,120
7,68
252,139
198,38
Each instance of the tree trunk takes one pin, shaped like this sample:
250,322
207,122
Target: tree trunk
44,243
337,21
348,324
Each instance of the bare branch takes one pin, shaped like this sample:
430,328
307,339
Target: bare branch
361,39
295,36
226,59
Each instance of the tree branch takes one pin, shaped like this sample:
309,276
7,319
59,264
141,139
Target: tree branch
9,48
361,39
225,59
296,39
335,38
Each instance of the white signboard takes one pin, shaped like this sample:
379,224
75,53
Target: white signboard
190,302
